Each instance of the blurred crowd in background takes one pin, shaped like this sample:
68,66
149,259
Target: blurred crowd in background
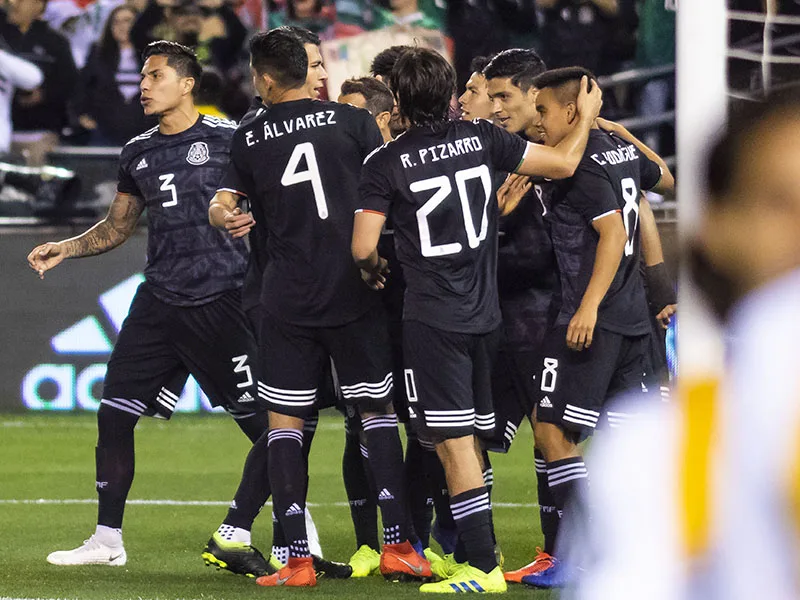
88,51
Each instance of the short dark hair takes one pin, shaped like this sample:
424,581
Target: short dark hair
280,54
303,34
423,82
566,82
521,65
179,57
378,97
383,63
479,63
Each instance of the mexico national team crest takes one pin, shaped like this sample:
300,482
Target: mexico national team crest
198,154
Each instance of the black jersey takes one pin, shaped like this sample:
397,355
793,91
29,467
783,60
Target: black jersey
251,290
189,262
299,162
438,182
526,271
609,179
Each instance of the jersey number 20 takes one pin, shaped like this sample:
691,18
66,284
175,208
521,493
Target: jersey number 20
443,189
292,176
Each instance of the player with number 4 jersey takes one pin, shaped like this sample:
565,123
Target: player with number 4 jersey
299,164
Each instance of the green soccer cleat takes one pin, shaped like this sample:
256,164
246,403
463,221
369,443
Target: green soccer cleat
469,579
446,567
274,563
365,562
236,557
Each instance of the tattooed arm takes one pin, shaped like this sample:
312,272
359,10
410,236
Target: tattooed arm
109,233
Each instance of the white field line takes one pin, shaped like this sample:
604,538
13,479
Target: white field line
140,502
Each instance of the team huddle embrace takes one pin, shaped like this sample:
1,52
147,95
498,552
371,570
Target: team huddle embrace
458,275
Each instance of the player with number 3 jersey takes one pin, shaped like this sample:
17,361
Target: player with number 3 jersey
186,318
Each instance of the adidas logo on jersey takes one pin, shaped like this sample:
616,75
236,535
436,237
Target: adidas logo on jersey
142,164
294,509
545,403
385,495
246,397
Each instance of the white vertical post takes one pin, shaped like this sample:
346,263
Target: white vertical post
702,42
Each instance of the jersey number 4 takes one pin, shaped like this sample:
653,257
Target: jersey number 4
444,189
291,176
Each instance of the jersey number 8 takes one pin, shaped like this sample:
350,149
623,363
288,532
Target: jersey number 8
630,212
443,189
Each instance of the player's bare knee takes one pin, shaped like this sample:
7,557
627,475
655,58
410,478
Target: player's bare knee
553,441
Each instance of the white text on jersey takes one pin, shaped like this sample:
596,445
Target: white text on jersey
443,151
293,125
615,157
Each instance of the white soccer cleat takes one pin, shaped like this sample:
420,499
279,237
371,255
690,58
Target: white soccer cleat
92,552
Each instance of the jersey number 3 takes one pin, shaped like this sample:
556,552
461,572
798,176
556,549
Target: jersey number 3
443,189
168,186
292,176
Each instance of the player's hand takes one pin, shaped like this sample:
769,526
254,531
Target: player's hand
238,224
581,328
45,257
511,192
376,279
589,102
665,316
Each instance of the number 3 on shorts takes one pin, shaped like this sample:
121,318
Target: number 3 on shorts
549,375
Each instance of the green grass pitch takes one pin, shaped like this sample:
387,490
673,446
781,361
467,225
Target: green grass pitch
51,457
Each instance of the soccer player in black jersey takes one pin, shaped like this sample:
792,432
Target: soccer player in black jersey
186,317
314,303
437,181
597,345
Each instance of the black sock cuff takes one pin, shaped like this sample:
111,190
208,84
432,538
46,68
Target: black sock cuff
471,502
566,470
284,434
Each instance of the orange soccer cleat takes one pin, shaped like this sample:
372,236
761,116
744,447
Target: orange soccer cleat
542,561
400,562
298,572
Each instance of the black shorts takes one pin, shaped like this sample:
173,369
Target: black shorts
448,381
294,358
160,345
514,393
328,392
574,386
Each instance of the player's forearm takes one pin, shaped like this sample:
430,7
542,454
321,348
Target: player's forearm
97,240
652,251
216,215
367,261
667,182
609,253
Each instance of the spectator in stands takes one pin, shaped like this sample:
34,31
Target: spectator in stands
210,27
39,114
209,96
574,32
656,46
318,16
416,13
15,73
81,22
108,95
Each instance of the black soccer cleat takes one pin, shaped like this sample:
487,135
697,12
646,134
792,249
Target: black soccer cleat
238,558
331,569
